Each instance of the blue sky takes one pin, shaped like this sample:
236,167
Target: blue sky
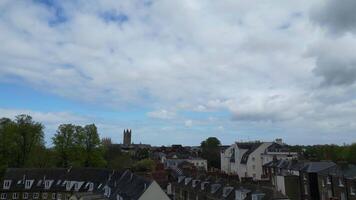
181,71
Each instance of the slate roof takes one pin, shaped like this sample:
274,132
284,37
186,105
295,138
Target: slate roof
314,167
345,170
306,166
250,146
125,183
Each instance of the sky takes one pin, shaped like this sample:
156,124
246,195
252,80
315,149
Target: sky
179,71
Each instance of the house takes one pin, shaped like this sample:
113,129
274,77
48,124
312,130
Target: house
77,183
247,158
312,180
338,182
199,163
201,188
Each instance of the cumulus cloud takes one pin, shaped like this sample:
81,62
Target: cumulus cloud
335,60
257,61
337,16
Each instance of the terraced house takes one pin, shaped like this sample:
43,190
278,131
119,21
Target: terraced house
77,183
312,180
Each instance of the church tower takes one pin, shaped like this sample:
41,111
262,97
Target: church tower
127,137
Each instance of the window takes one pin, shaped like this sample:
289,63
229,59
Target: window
47,184
253,167
28,184
15,196
35,195
322,182
59,196
340,183
342,196
7,184
328,180
76,186
352,190
253,159
305,177
54,196
3,195
305,189
91,187
25,195
44,196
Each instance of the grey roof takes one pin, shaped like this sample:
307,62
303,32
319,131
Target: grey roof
345,170
250,146
313,167
124,183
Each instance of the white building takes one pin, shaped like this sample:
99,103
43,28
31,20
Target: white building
246,158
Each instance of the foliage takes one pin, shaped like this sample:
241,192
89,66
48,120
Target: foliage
78,146
145,165
116,159
211,151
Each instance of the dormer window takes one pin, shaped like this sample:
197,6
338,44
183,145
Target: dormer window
107,191
76,186
340,183
28,184
352,190
328,180
91,187
7,184
47,184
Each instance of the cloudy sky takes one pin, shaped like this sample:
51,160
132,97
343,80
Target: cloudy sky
179,71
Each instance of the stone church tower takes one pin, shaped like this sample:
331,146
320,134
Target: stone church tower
127,137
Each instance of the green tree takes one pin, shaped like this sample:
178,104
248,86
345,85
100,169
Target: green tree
92,148
211,151
351,156
7,144
67,145
145,165
29,135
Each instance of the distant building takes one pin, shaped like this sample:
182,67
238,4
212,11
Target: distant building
199,163
247,158
127,137
77,183
106,141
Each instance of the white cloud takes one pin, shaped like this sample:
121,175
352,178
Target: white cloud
258,61
161,114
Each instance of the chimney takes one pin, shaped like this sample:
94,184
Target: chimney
279,141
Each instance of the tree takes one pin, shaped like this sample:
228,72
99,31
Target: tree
29,135
351,156
145,165
8,145
67,145
211,151
92,147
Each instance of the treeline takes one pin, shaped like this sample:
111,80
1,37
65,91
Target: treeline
336,153
22,145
